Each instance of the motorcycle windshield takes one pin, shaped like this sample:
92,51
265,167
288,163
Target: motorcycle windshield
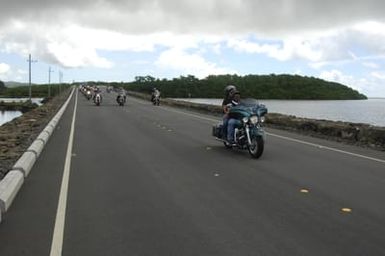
252,106
249,102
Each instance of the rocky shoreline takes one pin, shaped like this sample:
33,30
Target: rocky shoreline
17,106
17,135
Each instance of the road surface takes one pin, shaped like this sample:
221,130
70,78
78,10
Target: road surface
146,180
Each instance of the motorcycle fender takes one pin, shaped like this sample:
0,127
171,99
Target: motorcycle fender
257,132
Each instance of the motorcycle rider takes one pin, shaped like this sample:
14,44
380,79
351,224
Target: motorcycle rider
98,97
226,104
121,94
231,120
155,93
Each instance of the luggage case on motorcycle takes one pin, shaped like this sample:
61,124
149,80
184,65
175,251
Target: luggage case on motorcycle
217,130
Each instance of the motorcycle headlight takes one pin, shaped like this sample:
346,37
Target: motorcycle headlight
262,119
245,119
254,119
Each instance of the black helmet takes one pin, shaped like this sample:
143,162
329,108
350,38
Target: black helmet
230,88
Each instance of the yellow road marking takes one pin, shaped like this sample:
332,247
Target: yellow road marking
347,210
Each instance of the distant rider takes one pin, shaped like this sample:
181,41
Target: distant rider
121,94
155,93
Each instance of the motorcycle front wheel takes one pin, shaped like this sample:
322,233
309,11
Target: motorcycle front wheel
227,145
256,147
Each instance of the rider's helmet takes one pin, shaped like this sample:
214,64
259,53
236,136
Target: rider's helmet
230,88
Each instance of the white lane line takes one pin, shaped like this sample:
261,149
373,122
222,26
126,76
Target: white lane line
325,147
57,239
286,138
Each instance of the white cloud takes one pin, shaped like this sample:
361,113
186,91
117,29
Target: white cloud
370,86
69,56
335,76
292,48
4,68
188,63
348,80
370,65
7,73
66,43
334,46
378,75
186,16
323,34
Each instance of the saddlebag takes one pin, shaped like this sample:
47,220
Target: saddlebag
217,130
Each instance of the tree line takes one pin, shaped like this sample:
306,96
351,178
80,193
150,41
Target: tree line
2,87
38,91
255,86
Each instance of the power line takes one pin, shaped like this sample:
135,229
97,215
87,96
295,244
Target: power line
49,81
60,80
30,61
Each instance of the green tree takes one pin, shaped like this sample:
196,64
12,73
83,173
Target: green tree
2,86
257,86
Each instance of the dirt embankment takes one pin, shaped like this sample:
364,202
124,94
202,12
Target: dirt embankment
17,135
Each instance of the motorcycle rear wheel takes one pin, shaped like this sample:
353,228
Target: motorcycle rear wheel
256,147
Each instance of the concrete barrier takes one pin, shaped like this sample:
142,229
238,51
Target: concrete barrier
49,129
9,187
43,136
53,123
12,182
37,146
25,163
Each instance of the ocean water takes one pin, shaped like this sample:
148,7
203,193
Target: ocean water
34,100
371,111
6,116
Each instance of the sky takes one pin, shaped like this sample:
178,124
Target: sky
117,40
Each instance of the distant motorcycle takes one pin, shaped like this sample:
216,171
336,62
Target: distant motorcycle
97,99
156,100
88,95
249,133
121,99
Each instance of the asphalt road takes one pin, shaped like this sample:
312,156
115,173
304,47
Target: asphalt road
146,180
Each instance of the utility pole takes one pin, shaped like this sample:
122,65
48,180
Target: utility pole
60,80
49,81
30,61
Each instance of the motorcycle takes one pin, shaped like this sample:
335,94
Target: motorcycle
249,133
121,99
88,95
156,100
97,99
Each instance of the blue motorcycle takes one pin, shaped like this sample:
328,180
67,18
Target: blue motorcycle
249,133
